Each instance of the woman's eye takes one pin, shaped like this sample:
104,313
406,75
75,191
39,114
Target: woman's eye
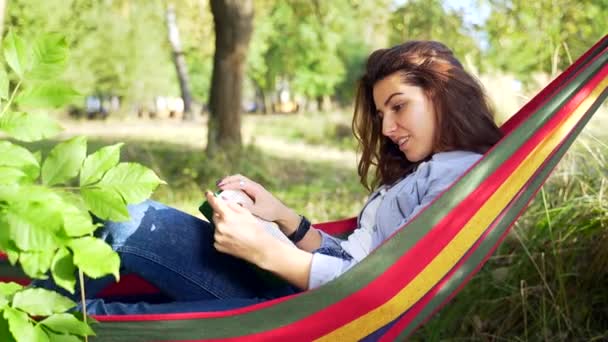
397,108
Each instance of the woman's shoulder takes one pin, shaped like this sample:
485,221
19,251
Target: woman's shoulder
446,166
454,160
457,156
440,166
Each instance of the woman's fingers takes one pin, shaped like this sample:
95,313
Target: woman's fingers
239,182
238,207
234,179
219,205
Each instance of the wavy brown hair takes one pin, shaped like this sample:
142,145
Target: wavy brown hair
464,116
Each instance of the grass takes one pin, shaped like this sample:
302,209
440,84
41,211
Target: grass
547,281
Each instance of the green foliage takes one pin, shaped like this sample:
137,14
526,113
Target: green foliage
64,161
45,222
429,20
17,54
527,37
117,47
29,126
313,46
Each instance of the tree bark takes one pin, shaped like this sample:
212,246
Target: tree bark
179,61
233,28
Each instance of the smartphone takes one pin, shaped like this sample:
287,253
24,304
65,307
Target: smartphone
206,209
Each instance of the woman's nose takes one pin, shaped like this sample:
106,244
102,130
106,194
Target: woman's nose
388,125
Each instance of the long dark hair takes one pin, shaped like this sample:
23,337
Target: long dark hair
464,116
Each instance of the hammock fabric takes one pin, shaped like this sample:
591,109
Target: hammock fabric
425,263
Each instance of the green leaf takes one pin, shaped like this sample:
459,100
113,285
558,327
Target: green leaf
17,54
41,302
11,175
29,126
32,225
77,222
94,257
38,156
13,256
5,334
40,335
64,161
66,323
48,95
98,163
19,157
4,84
49,57
19,324
36,264
62,337
106,204
63,270
134,182
80,316
9,289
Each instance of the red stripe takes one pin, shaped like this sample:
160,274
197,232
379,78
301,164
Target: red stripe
388,284
416,259
544,95
338,227
18,280
192,315
130,284
396,329
393,269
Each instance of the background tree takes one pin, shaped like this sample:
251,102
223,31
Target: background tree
430,20
233,28
179,61
544,35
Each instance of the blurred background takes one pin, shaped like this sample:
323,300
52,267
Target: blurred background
200,89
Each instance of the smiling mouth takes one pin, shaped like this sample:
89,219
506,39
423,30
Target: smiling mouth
403,141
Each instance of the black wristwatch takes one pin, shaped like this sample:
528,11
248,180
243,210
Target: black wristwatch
303,228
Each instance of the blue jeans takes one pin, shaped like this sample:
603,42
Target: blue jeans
174,251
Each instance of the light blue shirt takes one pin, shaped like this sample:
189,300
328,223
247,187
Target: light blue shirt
398,204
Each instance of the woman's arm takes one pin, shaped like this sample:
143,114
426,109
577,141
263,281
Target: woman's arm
288,262
289,223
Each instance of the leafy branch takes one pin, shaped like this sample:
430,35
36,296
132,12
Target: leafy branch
46,226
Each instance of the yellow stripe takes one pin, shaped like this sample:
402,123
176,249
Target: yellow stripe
454,251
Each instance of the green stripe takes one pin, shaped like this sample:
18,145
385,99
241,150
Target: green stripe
511,215
366,271
374,265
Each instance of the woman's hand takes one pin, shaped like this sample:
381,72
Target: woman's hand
265,205
239,233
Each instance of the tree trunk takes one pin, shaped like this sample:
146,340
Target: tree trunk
233,27
180,62
260,100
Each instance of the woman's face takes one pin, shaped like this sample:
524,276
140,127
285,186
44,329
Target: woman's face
408,117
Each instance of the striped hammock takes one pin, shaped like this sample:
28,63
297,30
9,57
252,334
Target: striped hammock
425,263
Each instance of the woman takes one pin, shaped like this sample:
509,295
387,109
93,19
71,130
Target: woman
421,122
